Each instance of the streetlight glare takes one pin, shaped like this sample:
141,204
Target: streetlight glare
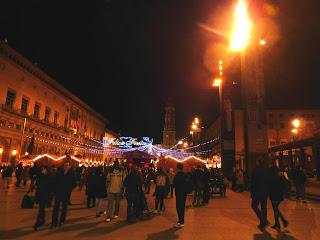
194,127
242,28
14,152
180,142
296,123
263,42
295,131
196,120
217,82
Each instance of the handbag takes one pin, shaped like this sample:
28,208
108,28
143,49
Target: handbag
27,201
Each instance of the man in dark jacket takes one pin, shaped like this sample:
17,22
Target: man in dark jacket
64,184
259,192
133,187
299,178
179,183
44,186
18,172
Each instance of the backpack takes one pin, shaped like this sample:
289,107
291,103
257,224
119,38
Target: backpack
161,181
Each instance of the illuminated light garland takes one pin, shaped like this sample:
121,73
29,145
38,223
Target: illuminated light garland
186,159
53,158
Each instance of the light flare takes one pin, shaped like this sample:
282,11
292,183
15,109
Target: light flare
242,27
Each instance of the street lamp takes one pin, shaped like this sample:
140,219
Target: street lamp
296,123
14,152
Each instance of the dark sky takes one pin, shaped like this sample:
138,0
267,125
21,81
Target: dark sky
125,58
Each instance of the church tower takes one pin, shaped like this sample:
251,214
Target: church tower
169,131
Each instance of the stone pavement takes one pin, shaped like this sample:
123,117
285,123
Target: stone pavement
223,219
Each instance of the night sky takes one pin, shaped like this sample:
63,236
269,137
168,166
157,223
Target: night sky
125,58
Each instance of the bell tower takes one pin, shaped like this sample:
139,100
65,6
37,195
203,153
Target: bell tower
169,131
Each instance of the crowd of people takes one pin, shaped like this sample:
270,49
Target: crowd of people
54,186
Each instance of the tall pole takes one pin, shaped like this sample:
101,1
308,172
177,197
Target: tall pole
245,109
21,142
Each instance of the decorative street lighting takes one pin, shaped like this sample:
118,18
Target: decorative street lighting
296,123
14,152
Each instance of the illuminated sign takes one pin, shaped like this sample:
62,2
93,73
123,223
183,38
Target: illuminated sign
126,142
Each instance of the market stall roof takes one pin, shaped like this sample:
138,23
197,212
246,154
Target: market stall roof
46,159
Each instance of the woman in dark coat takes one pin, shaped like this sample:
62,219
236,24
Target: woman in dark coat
277,189
43,190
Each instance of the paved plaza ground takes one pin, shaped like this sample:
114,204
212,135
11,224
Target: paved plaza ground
223,219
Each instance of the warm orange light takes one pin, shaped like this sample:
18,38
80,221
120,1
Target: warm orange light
296,123
14,152
196,120
194,127
191,132
262,42
295,131
185,144
217,82
1,150
180,142
242,27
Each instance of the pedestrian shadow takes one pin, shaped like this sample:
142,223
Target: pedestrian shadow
267,236
70,228
164,235
16,233
105,229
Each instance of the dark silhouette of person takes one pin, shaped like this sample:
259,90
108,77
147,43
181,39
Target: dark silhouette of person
64,184
179,183
43,190
259,192
277,190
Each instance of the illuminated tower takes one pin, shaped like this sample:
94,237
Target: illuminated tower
169,131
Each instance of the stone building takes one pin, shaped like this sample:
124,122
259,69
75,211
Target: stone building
169,131
34,104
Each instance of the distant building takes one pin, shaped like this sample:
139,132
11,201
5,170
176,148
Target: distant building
34,104
169,131
279,128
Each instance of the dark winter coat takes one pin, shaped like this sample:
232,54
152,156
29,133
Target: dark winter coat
132,183
44,187
260,182
64,184
179,183
277,188
101,187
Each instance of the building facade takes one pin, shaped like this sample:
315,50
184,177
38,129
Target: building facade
279,129
34,104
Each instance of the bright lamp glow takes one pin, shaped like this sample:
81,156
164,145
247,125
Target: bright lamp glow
295,131
296,123
14,152
217,82
1,150
242,27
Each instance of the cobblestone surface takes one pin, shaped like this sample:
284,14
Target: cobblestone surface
224,218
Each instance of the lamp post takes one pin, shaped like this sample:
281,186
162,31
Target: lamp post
296,123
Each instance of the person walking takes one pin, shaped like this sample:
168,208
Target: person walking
259,192
43,190
7,174
25,175
206,189
162,184
198,177
133,187
171,177
91,188
19,172
180,184
64,184
277,190
299,178
101,190
115,184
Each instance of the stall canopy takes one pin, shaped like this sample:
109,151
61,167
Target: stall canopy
51,160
